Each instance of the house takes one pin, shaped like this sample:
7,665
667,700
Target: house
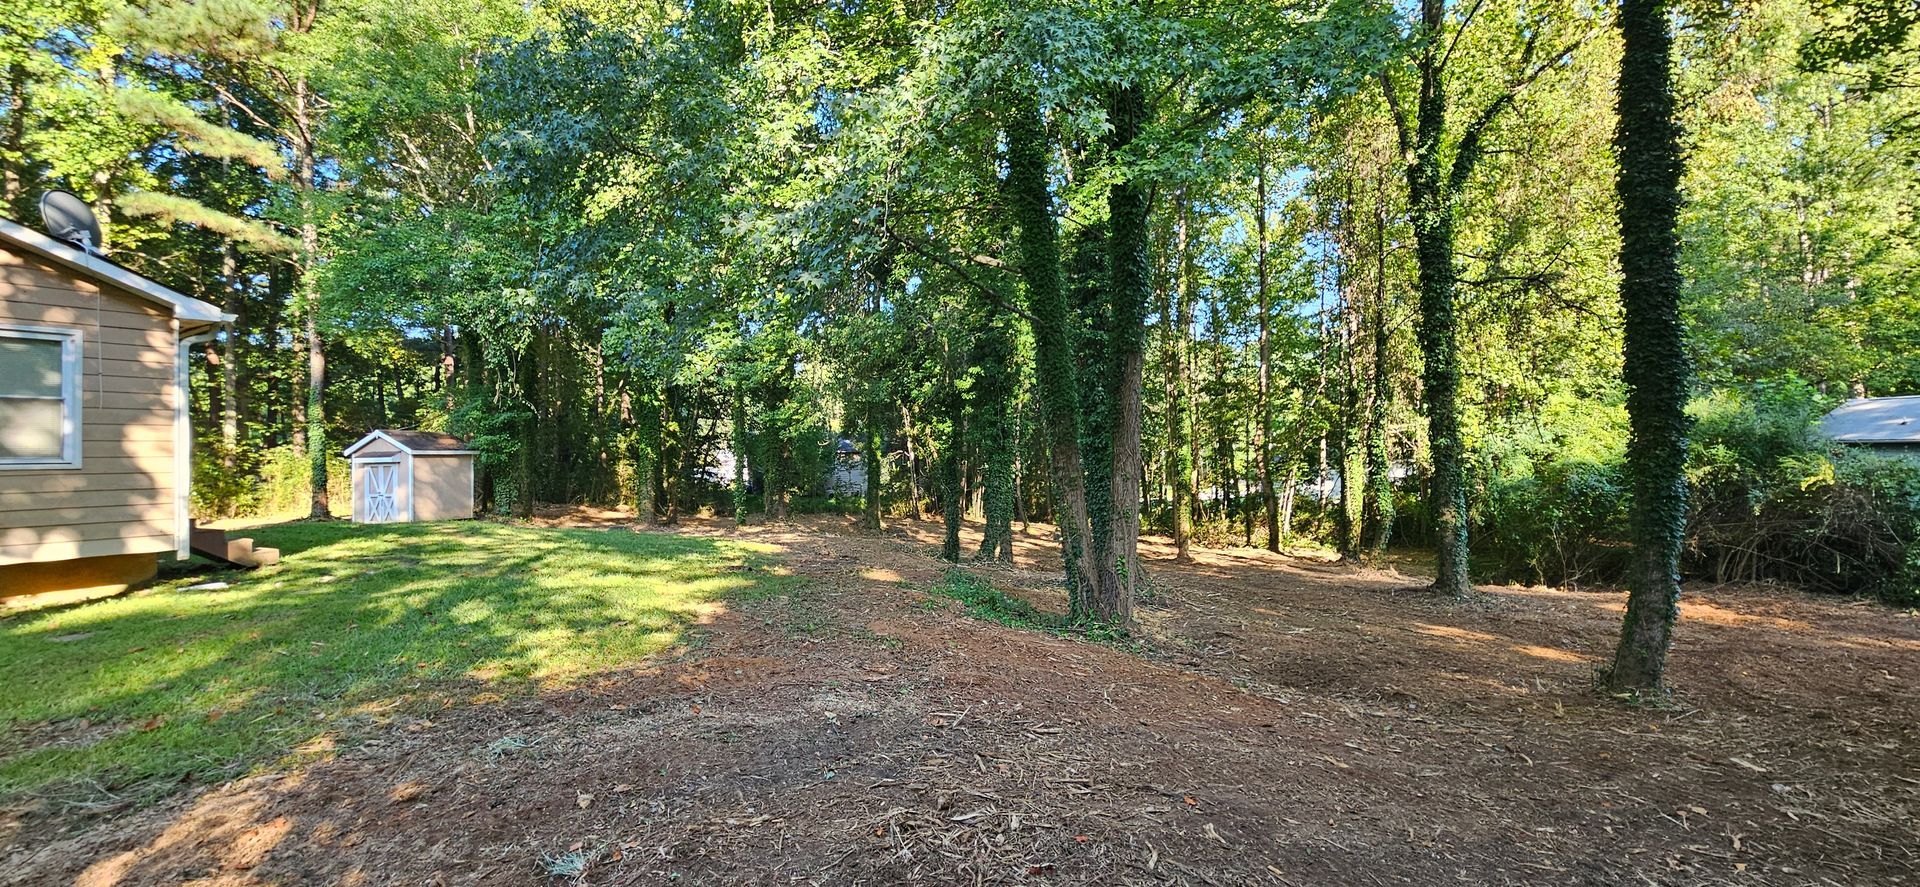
95,442
1889,425
848,474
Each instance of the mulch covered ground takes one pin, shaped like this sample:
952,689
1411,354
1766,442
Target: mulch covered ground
1282,721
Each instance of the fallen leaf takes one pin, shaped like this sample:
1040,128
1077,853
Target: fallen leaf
584,800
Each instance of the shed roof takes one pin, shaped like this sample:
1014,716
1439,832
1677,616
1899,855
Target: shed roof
414,443
1884,420
191,312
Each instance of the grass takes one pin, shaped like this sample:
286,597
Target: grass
983,601
133,694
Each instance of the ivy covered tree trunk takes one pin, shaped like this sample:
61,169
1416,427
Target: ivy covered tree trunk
1130,284
1431,210
777,442
871,460
1656,366
740,446
1031,205
992,432
672,453
1437,330
1347,443
952,498
646,453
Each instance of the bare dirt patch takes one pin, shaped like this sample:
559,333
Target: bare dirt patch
1284,721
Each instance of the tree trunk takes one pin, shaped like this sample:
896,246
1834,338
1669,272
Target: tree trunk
13,169
232,303
1656,366
448,366
309,262
953,495
915,495
1177,314
1379,511
779,444
1264,391
1130,285
1031,206
739,444
992,433
1349,427
1286,504
1431,208
871,461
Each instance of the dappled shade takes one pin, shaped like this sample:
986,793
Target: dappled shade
360,623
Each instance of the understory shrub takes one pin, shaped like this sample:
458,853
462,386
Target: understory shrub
267,483
1770,500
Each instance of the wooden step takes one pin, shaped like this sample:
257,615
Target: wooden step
214,545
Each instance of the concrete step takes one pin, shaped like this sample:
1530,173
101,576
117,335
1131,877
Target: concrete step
266,557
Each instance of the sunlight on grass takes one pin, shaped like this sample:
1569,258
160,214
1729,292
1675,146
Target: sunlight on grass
172,683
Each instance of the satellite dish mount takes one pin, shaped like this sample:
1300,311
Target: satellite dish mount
69,218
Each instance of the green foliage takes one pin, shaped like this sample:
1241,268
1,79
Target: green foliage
607,245
983,601
1553,509
275,482
1770,500
1777,503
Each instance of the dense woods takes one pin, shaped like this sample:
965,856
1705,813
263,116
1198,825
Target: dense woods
1353,274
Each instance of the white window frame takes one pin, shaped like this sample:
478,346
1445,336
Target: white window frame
71,357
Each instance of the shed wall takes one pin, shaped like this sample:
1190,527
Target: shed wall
120,501
442,487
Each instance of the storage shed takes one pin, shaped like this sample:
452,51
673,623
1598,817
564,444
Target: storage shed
411,476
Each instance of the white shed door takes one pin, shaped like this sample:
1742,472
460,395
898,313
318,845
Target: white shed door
378,504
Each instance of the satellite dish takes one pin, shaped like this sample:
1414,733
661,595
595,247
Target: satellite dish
69,218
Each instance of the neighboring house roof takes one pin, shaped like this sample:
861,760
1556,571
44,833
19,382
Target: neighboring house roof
1875,420
414,443
191,312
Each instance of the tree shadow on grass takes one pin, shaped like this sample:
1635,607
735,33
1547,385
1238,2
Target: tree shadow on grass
130,696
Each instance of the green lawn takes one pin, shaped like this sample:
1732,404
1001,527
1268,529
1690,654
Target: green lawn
358,623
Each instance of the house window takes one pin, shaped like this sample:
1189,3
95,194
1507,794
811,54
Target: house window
39,397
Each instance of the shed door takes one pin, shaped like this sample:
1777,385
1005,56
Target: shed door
378,503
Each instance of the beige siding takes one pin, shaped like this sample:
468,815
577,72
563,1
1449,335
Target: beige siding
442,487
375,447
120,501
